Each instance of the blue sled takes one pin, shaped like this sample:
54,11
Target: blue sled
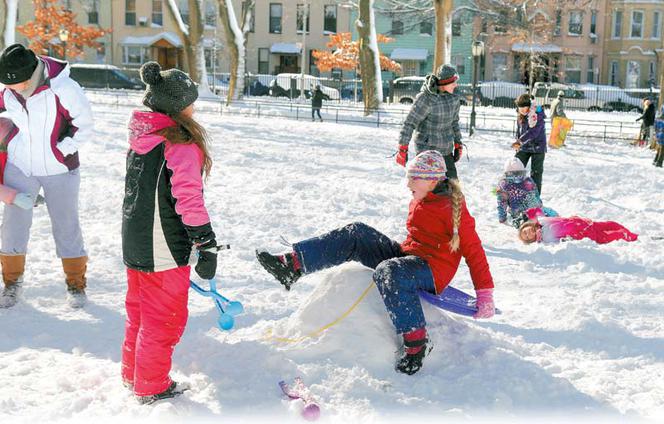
453,300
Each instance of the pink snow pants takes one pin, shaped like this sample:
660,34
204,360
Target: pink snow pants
608,231
157,313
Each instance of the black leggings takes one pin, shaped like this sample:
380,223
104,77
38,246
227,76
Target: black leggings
316,110
536,166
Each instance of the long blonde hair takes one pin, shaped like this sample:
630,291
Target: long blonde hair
188,131
457,200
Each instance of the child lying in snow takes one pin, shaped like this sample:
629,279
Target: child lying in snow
440,232
542,229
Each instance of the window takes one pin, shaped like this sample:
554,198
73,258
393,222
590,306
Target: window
575,22
613,73
313,69
157,12
590,76
301,18
559,22
211,14
652,73
410,68
593,24
501,22
329,19
426,28
633,76
263,61
617,24
130,12
134,55
637,24
93,13
485,26
275,18
499,65
252,20
573,69
397,26
456,26
656,25
460,64
183,5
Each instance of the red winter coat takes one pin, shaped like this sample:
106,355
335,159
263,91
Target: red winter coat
430,229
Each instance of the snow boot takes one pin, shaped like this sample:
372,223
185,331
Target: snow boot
284,267
175,389
414,350
75,278
12,275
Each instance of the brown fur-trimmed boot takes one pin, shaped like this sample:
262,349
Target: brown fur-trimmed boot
12,275
75,278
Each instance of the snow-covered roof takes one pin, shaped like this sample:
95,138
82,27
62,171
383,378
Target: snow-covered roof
409,54
149,40
536,47
286,48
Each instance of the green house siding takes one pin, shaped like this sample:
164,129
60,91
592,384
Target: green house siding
411,38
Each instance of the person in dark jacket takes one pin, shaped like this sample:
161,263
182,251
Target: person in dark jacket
530,141
659,127
317,98
434,117
440,232
647,122
163,218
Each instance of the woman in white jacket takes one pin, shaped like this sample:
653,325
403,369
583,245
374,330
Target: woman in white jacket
53,117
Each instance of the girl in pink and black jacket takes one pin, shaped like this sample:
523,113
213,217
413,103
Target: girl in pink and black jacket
164,220
543,229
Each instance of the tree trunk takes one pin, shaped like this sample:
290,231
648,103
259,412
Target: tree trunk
443,45
3,23
192,39
236,42
364,25
660,67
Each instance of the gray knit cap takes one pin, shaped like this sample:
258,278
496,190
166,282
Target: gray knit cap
446,74
168,91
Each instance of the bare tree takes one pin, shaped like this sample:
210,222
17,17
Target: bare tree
192,36
236,43
533,23
369,57
8,11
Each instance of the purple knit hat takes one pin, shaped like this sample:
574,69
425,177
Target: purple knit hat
428,165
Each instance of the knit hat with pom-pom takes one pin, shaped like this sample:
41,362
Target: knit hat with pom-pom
168,91
513,165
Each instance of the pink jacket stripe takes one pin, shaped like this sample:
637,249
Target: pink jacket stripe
185,161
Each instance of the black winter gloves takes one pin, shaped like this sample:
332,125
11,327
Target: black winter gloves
203,238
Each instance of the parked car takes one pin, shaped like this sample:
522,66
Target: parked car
615,98
406,88
589,97
500,93
103,76
348,90
289,85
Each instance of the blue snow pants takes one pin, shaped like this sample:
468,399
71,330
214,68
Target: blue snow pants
398,276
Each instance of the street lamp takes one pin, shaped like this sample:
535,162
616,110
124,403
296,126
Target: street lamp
64,36
477,50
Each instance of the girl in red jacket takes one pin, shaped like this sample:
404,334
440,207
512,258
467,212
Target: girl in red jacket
440,232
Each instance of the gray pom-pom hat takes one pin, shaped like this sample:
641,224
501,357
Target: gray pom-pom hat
169,91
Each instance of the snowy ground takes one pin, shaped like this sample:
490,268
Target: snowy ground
581,332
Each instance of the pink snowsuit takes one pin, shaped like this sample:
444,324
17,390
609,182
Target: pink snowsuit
555,229
157,278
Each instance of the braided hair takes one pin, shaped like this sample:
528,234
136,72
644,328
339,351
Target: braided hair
457,199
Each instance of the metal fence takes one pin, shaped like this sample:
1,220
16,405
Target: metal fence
489,119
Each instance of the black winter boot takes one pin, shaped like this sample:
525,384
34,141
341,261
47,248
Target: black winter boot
283,270
410,363
173,390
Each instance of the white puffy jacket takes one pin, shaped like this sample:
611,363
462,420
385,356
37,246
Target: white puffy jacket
51,123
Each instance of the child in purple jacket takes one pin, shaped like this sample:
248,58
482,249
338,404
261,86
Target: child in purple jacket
530,141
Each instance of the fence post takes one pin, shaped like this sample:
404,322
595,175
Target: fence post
337,118
259,109
378,118
604,139
297,113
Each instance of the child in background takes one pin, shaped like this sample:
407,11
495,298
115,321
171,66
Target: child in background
163,217
516,193
543,229
440,232
530,141
659,127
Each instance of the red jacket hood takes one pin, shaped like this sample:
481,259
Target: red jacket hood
142,128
